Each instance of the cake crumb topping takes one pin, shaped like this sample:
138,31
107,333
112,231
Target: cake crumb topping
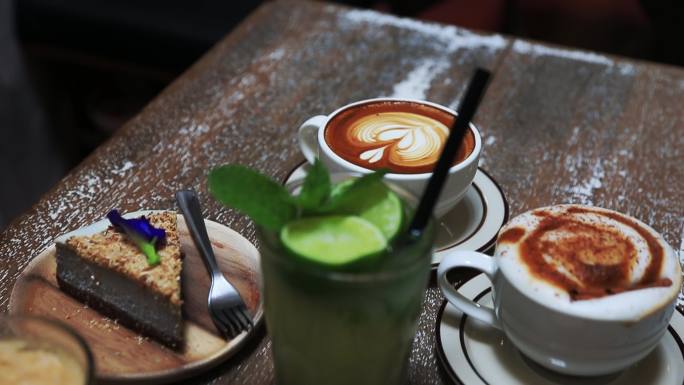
113,250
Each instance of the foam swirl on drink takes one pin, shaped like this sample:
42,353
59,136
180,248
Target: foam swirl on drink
585,253
405,139
401,136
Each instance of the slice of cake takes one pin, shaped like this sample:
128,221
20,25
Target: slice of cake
110,273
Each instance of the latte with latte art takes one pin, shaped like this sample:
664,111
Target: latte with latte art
403,137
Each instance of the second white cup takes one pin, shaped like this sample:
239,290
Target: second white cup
586,337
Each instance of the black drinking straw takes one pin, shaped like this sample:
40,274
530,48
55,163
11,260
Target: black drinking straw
466,110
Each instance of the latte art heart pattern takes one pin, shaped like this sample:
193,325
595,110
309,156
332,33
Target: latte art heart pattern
404,137
401,138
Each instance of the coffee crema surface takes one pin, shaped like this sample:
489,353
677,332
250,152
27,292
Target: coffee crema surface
404,137
583,253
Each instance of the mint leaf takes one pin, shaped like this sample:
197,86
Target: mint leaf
351,190
266,202
316,188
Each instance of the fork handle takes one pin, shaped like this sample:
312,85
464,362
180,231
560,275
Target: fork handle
190,207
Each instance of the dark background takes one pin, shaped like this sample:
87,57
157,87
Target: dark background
73,71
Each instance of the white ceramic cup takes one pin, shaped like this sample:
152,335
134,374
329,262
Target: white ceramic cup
588,337
313,145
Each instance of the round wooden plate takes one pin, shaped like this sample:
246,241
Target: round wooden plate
122,355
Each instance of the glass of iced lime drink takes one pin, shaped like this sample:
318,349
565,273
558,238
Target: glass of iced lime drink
342,295
343,285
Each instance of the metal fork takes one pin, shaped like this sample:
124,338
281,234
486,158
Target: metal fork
226,307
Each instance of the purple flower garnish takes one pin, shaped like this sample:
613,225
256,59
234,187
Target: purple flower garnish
145,236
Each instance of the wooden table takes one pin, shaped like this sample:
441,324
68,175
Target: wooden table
558,126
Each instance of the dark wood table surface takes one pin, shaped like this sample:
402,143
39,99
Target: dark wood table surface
558,126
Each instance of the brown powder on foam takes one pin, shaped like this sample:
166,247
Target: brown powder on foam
511,235
599,257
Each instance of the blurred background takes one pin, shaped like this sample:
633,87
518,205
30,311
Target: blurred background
73,71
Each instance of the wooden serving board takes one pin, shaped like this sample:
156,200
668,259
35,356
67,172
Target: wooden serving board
122,355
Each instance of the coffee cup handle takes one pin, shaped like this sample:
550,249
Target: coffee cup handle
308,137
475,260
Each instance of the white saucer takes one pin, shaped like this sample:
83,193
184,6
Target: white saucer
472,224
473,353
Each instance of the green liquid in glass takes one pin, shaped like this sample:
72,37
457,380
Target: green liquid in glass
351,325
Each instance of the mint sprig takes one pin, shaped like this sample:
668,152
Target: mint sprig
270,205
253,194
351,191
316,188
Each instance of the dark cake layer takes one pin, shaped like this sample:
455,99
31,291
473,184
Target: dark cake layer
116,296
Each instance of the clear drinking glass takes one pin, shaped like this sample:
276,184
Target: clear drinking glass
352,326
39,351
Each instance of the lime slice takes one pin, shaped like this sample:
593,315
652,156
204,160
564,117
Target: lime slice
333,240
377,204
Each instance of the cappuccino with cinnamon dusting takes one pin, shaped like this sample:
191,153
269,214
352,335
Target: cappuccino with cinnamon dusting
404,137
589,261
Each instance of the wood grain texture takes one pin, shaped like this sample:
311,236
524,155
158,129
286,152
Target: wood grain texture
122,355
558,126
